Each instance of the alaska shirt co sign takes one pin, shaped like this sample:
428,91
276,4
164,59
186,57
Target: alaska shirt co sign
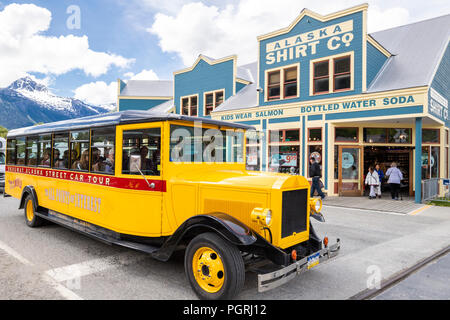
305,44
356,105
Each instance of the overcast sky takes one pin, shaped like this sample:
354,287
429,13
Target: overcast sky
80,48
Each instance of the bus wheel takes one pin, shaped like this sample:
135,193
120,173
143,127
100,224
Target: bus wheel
214,267
31,219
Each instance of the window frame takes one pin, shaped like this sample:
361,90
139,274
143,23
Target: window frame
52,165
331,74
342,73
283,135
321,135
282,84
214,105
189,97
90,151
438,135
81,141
343,141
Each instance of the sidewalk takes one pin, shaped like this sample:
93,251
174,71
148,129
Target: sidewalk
405,206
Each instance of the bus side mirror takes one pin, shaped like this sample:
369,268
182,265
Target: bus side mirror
135,163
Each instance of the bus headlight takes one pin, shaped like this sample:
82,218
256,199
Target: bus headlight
316,205
262,216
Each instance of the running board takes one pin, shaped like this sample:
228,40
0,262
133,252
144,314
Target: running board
93,231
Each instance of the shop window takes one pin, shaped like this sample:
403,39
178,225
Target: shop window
290,135
141,151
336,162
212,101
45,151
375,135
434,162
399,135
446,173
430,136
346,134
446,137
284,159
273,86
315,134
21,149
11,151
31,151
290,82
189,106
321,77
342,75
102,150
79,150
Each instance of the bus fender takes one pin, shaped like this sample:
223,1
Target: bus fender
29,190
226,226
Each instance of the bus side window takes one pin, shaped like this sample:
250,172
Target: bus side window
141,150
61,151
79,150
20,145
11,151
102,150
31,151
45,151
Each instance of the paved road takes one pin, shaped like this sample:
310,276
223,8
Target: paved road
52,262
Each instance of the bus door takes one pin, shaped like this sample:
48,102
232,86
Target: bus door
138,203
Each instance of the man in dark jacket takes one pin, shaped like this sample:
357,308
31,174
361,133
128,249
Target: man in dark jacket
315,173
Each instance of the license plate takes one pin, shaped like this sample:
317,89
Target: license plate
313,260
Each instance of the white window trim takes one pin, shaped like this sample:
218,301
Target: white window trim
281,69
331,73
189,97
214,92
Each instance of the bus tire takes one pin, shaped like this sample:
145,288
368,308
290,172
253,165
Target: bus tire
32,220
214,267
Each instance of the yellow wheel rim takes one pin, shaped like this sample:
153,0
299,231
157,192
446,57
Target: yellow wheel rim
30,213
208,269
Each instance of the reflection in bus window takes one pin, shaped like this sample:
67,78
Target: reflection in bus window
61,151
20,145
102,150
141,149
31,151
45,151
11,151
79,150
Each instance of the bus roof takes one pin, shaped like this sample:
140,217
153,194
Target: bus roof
116,118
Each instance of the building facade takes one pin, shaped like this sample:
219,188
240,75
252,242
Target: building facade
324,88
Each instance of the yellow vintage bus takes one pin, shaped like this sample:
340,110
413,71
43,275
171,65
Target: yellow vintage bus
145,181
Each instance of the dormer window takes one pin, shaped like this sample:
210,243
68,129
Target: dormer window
282,83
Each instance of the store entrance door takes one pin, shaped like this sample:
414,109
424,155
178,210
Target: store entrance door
350,173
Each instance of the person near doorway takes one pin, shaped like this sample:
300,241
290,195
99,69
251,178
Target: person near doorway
373,181
380,177
395,177
315,173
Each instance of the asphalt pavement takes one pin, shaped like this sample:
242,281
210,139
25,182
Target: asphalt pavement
52,262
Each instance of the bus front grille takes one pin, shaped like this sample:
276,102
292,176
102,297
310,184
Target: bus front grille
294,214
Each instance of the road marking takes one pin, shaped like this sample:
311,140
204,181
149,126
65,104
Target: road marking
366,210
14,254
78,270
413,213
65,292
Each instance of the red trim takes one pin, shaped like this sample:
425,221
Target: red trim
95,179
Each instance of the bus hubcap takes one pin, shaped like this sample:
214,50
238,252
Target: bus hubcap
30,213
208,269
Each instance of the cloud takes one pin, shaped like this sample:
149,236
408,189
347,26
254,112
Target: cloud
97,93
232,29
24,49
143,75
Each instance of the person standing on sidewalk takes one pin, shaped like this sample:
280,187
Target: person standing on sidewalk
315,172
395,177
380,177
373,181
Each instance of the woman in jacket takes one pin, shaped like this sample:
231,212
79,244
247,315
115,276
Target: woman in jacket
373,181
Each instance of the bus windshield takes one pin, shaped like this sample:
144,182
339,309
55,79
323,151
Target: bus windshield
195,144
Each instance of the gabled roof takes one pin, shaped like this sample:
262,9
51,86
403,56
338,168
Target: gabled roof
416,50
165,107
116,118
148,88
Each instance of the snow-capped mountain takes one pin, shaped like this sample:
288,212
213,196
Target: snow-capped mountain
26,102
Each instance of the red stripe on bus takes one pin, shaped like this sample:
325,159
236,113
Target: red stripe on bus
94,179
